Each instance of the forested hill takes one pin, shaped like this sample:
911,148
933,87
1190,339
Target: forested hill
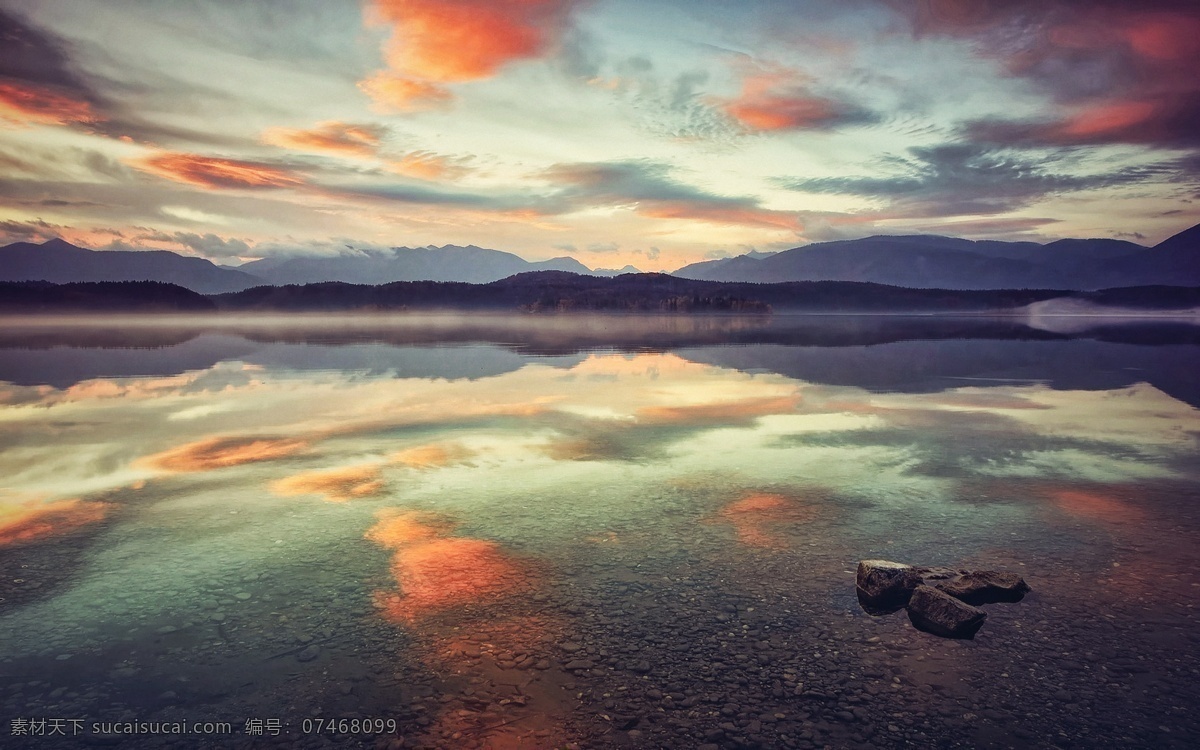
556,291
100,296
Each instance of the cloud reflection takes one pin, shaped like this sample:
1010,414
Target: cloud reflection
435,572
337,485
27,521
432,456
221,452
758,518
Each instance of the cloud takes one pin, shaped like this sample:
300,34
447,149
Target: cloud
774,97
208,244
365,141
337,485
438,42
222,452
28,521
25,231
392,93
647,188
43,105
966,179
426,165
37,81
217,173
1119,72
332,136
450,41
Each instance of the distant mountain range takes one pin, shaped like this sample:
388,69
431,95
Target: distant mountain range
935,262
920,262
474,265
61,262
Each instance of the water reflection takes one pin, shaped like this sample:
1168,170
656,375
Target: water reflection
634,540
27,520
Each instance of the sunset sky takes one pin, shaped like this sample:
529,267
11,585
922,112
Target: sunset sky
653,133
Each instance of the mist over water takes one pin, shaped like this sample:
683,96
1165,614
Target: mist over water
610,531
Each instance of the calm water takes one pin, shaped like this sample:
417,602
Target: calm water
592,532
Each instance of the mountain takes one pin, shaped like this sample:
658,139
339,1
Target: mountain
615,271
60,262
471,264
932,261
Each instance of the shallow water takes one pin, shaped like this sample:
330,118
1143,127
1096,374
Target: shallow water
593,532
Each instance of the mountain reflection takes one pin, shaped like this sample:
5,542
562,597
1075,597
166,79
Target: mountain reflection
899,353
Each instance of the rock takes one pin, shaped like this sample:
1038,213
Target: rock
935,611
986,587
884,586
309,653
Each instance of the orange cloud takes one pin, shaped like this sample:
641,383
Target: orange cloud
437,42
391,92
30,521
1165,36
465,40
42,105
332,136
719,214
720,413
776,98
1107,119
432,456
222,452
211,172
337,485
425,165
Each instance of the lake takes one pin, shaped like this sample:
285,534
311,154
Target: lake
540,532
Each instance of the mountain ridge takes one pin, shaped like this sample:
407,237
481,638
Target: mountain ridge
911,261
935,261
59,262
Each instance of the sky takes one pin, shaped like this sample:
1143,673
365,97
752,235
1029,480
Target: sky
654,133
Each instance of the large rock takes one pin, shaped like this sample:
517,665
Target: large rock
935,611
985,587
884,586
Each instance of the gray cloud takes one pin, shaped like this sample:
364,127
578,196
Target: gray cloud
961,179
33,56
27,231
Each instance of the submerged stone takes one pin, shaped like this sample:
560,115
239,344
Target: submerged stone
884,586
986,587
934,611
